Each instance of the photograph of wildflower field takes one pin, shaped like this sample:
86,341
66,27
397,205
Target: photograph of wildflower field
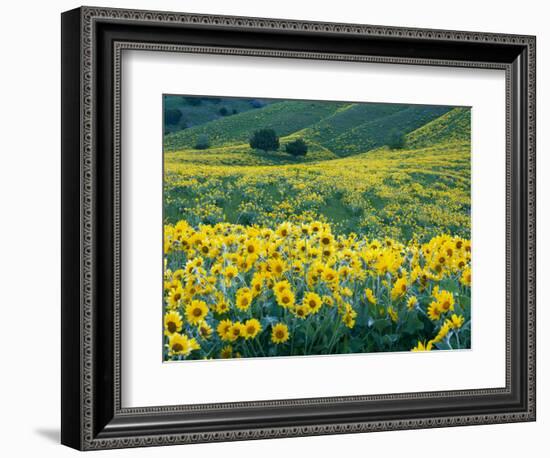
300,227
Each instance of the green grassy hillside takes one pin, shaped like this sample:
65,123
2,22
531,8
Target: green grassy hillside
375,132
454,126
330,128
284,117
241,154
348,176
200,110
346,118
398,193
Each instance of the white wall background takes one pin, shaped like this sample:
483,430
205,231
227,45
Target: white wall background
30,214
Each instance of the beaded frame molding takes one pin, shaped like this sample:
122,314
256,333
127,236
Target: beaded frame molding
93,40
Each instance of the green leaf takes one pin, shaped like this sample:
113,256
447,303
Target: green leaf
450,285
443,346
268,321
381,325
390,339
413,324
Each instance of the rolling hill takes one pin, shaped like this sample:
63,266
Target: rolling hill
420,189
284,117
454,126
194,111
375,132
331,129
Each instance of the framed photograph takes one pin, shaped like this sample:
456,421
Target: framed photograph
276,228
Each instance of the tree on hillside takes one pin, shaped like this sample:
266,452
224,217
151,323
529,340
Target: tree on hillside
172,116
224,111
255,103
396,140
193,101
264,139
202,142
297,147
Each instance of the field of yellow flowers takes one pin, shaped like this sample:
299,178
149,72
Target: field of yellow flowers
270,256
236,291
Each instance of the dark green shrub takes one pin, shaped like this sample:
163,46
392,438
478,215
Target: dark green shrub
396,140
255,103
223,111
297,147
172,116
202,142
265,139
193,101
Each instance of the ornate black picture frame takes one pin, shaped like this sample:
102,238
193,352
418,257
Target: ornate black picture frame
92,42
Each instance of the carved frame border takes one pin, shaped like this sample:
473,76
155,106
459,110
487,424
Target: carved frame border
89,15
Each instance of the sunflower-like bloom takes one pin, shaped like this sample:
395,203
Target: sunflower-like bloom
175,296
257,283
285,298
348,318
226,352
222,306
223,329
444,303
423,346
399,288
205,330
456,321
297,267
445,299
196,311
370,296
235,331
244,263
330,275
326,239
347,292
443,332
283,230
301,311
392,313
313,302
315,226
230,273
243,299
434,313
388,261
279,333
173,323
466,277
178,275
251,247
412,302
281,286
252,328
276,267
179,344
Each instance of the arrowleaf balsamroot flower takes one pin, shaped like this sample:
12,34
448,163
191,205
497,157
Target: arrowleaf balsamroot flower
196,311
252,328
279,333
309,287
179,344
172,323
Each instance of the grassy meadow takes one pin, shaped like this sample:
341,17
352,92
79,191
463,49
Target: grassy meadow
360,244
